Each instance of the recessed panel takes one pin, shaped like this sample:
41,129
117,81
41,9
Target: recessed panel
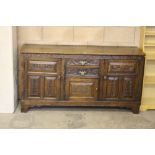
129,85
122,67
34,86
42,66
81,89
50,87
112,87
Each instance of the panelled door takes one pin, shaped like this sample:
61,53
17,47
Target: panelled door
51,87
129,87
34,86
43,79
81,89
110,86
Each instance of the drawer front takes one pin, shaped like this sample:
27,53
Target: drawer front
122,66
79,71
43,66
83,62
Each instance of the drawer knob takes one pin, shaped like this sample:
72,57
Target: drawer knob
83,62
82,73
105,77
58,77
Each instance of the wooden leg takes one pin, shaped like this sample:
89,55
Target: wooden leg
135,109
24,108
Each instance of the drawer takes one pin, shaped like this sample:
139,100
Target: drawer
51,66
80,71
83,62
122,66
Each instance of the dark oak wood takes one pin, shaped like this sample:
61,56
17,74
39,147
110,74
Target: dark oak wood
111,88
81,89
84,76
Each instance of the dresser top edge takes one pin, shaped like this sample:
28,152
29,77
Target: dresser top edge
80,49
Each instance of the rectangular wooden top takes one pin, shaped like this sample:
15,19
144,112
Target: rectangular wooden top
80,49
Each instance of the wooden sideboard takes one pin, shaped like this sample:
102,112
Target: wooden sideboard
86,76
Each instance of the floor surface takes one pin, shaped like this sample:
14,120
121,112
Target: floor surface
76,118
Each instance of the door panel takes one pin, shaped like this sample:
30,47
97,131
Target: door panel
51,87
81,89
110,87
129,87
34,86
121,66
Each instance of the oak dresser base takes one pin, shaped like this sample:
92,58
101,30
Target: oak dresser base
80,76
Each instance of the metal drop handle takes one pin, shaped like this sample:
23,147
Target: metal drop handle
83,62
82,73
58,77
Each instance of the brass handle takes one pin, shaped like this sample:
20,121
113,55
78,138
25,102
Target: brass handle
83,62
82,73
58,77
105,77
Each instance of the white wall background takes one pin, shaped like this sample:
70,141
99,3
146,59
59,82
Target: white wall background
8,85
80,35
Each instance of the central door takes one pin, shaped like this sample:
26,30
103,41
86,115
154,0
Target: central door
81,89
